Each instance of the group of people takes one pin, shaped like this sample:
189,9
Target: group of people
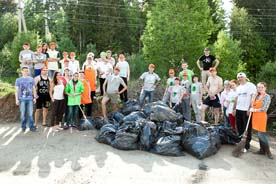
68,87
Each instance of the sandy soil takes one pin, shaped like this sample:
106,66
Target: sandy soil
75,157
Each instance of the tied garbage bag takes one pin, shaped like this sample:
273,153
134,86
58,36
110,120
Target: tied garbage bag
169,146
131,106
161,113
118,117
147,107
107,133
198,141
147,137
126,137
226,134
86,124
134,116
99,122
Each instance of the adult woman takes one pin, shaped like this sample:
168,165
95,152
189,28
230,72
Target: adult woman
124,74
57,97
259,118
44,51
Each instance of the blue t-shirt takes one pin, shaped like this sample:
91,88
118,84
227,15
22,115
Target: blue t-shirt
25,88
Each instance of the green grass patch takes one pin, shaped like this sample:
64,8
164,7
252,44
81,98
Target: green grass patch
5,88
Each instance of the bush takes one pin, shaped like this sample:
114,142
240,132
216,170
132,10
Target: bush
267,74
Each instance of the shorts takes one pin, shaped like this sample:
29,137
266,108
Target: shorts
113,98
212,103
43,102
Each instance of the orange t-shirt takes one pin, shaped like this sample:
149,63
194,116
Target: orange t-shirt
91,76
85,96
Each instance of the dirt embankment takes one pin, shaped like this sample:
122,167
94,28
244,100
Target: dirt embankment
9,111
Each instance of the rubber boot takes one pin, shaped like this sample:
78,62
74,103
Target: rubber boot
267,151
261,151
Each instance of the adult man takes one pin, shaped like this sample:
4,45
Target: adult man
151,80
25,95
213,87
42,83
207,62
26,58
111,93
53,59
245,95
186,70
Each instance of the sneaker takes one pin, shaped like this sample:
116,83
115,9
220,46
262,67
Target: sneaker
244,150
33,129
73,126
65,127
23,130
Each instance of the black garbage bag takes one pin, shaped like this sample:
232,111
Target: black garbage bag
161,113
226,134
147,135
169,146
114,122
147,107
198,141
118,117
106,135
134,116
86,124
131,106
99,122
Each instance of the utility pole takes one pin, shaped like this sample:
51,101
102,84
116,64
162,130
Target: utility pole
21,18
47,30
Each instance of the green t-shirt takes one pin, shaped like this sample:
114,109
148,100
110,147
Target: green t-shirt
189,72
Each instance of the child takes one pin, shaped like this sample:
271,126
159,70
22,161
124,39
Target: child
170,83
196,97
186,107
175,93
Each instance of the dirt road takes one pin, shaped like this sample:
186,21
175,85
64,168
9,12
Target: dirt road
75,157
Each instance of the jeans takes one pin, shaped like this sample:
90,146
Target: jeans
51,73
73,114
186,109
144,94
263,138
197,111
225,117
26,110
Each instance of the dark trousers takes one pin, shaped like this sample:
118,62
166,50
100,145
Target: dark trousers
73,115
88,107
101,85
241,121
66,108
123,96
57,112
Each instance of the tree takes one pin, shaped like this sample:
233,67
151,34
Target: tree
8,27
7,6
175,30
228,51
253,45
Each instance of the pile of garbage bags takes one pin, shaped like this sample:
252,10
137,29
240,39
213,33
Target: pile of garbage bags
159,129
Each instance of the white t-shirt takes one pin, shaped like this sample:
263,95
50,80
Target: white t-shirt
170,81
196,91
223,97
149,80
53,54
123,65
176,93
231,97
244,92
74,66
104,68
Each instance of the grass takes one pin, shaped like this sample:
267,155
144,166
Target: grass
5,88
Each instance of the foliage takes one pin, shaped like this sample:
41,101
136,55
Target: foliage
228,52
175,30
7,6
267,74
137,65
5,88
253,45
8,27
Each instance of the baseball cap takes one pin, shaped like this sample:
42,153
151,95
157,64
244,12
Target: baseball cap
52,43
185,74
226,82
207,49
171,71
151,65
103,54
177,78
212,69
117,68
241,74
